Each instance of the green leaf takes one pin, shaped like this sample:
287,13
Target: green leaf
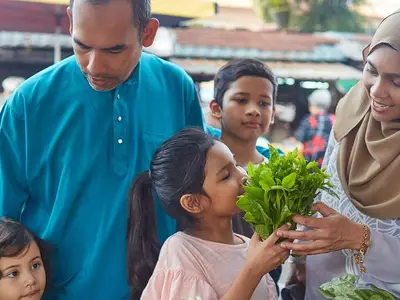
243,203
386,294
267,203
312,165
263,231
289,180
281,187
327,294
285,216
344,288
248,217
251,170
254,193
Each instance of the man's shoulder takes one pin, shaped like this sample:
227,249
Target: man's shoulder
50,72
33,90
173,72
215,132
48,76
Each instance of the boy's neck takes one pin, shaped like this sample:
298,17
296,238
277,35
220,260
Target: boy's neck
244,151
218,232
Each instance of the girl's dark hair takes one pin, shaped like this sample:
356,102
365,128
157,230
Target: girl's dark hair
15,238
238,68
177,169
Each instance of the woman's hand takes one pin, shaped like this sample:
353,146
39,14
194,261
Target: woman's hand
265,256
330,233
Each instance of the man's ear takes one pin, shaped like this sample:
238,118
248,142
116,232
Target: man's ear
192,204
216,110
69,13
150,32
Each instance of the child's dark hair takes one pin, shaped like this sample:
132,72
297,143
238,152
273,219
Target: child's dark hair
15,238
237,68
177,169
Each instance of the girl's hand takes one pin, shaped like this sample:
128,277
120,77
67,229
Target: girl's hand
265,256
330,233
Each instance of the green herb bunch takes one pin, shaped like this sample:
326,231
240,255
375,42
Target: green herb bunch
344,288
280,188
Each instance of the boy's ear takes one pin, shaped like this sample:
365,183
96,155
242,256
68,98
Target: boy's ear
273,115
215,109
192,204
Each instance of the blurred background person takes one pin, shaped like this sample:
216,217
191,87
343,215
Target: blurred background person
314,129
9,85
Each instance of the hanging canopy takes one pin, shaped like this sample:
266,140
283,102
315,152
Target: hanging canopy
190,9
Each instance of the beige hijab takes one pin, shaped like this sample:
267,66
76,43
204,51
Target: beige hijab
369,153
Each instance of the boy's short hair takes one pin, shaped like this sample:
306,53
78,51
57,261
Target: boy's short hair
237,68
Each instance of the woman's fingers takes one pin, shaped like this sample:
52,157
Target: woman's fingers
323,209
306,235
307,248
273,238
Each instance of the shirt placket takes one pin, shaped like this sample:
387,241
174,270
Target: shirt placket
120,141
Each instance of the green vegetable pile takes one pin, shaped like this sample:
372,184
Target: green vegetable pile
344,288
280,188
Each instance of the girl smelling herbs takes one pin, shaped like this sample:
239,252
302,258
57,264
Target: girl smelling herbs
198,182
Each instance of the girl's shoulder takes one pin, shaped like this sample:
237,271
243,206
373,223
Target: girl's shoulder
183,250
179,250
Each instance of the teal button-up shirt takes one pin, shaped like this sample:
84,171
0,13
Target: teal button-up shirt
69,154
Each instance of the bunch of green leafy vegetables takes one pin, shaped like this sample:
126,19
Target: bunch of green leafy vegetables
344,288
276,190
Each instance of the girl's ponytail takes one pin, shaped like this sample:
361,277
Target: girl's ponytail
143,246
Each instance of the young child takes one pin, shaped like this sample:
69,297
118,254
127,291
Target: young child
245,94
22,267
198,182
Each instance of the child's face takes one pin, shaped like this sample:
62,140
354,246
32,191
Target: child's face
223,182
248,108
23,276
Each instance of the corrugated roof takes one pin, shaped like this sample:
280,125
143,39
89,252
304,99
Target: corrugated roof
302,71
270,41
10,39
318,53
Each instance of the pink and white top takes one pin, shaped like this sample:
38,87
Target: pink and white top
190,267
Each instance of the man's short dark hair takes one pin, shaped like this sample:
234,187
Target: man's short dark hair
237,68
141,11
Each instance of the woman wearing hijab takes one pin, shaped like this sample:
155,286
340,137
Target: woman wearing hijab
359,233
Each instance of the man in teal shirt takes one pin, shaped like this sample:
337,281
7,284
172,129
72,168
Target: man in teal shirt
73,137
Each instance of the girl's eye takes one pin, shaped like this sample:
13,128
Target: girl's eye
372,71
12,274
227,176
396,82
36,266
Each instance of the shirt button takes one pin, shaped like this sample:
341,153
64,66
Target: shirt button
118,96
120,141
119,119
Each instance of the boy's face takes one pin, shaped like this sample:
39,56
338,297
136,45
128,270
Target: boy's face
248,108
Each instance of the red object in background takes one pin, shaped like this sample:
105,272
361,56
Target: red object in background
32,17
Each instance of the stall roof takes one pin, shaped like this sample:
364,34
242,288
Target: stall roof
296,70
